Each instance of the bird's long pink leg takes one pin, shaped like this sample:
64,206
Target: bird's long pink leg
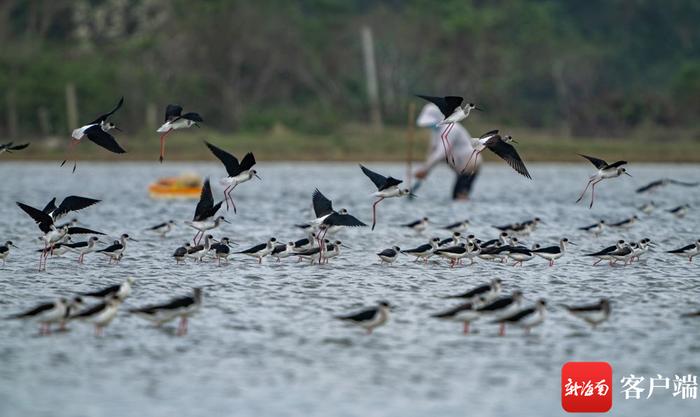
443,136
466,327
597,262
470,159
584,190
374,212
449,145
226,196
162,145
593,192
502,330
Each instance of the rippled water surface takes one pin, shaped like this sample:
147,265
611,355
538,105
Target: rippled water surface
265,342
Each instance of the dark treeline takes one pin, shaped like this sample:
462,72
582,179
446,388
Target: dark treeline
596,67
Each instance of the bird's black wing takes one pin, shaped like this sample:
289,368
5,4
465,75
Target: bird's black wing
497,305
92,310
473,293
103,139
454,311
111,248
171,305
156,227
587,228
650,186
337,219
412,224
206,202
71,245
195,117
322,205
489,133
380,181
581,309
602,252
72,203
104,117
17,147
421,248
513,318
508,153
617,164
361,316
103,292
42,219
33,312
548,249
254,249
82,231
685,184
50,206
599,163
233,168
387,252
172,112
447,105
247,162
683,249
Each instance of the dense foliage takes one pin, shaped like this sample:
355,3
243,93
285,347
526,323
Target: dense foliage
596,67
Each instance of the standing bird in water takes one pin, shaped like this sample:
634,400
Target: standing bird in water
387,187
237,172
451,108
175,120
605,171
98,132
502,147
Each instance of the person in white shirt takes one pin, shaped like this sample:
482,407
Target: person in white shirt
460,147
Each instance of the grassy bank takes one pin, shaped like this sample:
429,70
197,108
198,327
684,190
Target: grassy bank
355,143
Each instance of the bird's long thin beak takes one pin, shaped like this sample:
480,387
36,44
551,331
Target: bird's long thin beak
478,108
345,246
133,240
627,173
14,246
514,141
570,243
258,177
116,128
411,195
226,221
197,125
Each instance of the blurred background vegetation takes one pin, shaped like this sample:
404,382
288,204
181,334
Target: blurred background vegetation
272,72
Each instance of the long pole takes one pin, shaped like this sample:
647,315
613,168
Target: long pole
410,133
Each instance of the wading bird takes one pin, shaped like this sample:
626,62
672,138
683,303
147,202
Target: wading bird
175,120
387,187
238,173
605,171
98,132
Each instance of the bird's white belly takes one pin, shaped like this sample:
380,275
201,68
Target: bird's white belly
80,132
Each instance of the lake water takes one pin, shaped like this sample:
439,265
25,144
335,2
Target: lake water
265,342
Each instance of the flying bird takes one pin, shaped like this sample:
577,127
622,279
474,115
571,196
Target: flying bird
387,187
238,173
502,147
655,185
45,220
175,120
451,107
97,131
9,147
605,171
204,213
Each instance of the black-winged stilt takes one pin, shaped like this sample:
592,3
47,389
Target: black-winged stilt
502,147
451,107
593,314
370,318
605,171
238,173
526,318
688,251
331,219
655,185
9,147
457,226
552,253
390,255
283,251
83,248
115,251
595,229
182,307
424,251
175,120
120,291
204,213
626,223
680,211
486,292
222,249
46,314
419,225
604,254
198,252
387,187
181,253
97,131
5,250
100,314
260,251
162,229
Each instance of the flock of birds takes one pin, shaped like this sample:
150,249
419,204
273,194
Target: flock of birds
483,302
